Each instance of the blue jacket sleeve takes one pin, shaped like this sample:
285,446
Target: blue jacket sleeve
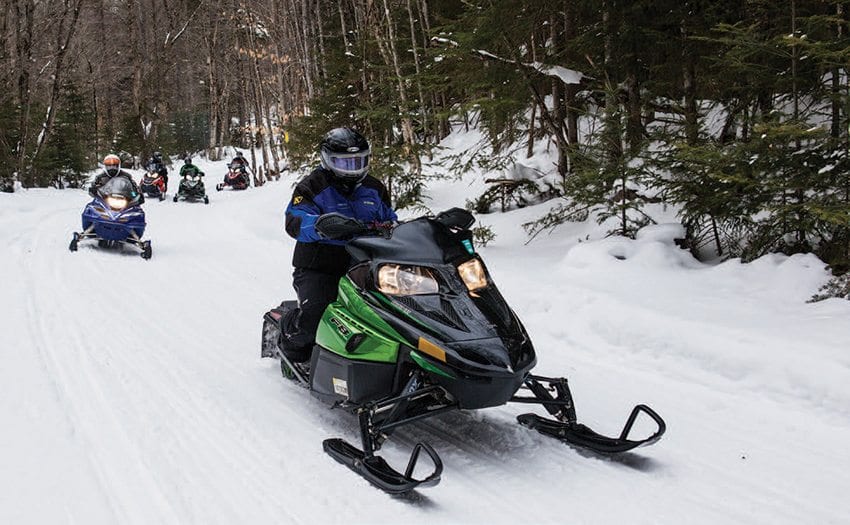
387,213
301,215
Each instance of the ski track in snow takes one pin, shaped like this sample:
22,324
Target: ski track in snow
135,392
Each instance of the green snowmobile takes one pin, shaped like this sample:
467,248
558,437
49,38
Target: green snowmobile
419,329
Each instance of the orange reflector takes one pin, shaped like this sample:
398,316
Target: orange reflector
427,347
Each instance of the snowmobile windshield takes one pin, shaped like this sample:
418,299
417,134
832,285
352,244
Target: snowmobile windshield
420,241
118,193
119,186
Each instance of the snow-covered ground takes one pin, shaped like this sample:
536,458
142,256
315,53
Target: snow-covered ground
132,391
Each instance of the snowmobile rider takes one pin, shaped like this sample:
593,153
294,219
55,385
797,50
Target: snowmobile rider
157,165
239,162
112,168
342,185
188,169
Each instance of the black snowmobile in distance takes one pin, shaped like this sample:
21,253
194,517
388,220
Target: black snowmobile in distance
192,188
419,329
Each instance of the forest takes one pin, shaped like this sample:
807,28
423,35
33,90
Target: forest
736,112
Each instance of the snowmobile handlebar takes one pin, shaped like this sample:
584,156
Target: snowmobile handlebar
336,226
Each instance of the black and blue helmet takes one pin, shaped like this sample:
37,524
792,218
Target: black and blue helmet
345,153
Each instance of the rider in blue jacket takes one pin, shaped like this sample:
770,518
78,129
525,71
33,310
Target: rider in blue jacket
341,185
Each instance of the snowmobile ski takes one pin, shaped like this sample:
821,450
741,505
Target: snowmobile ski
566,428
378,472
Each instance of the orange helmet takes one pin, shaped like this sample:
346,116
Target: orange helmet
112,164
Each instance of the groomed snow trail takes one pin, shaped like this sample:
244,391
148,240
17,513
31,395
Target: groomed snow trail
133,391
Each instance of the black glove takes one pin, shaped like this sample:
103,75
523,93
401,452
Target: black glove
337,226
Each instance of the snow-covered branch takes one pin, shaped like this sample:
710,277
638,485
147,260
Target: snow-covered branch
567,76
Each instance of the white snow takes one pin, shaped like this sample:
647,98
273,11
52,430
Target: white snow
133,391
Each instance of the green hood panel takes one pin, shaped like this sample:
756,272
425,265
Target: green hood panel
350,316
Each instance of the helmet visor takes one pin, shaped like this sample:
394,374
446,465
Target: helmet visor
353,164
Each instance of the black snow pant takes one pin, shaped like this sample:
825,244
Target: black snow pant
315,290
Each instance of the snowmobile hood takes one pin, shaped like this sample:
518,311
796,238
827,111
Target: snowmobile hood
98,211
477,327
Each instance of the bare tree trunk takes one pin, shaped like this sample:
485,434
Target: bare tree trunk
5,66
135,41
835,128
426,21
530,150
423,114
5,91
558,104
406,123
613,140
24,11
70,15
321,39
262,116
342,27
571,90
689,88
211,42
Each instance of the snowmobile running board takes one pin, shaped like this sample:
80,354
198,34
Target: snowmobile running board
567,429
378,472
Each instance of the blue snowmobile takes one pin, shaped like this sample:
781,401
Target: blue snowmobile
114,217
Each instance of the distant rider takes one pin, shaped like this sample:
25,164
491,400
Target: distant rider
112,168
240,162
188,169
157,165
340,185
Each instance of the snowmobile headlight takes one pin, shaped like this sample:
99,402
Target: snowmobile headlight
116,202
472,273
396,279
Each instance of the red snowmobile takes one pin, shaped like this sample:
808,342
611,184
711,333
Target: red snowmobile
236,178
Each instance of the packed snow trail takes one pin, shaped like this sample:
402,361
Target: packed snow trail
133,391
